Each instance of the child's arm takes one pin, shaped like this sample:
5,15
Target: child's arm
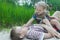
29,22
48,35
25,28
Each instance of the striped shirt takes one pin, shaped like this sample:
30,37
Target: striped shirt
35,32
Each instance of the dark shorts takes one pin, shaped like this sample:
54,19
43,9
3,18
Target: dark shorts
58,31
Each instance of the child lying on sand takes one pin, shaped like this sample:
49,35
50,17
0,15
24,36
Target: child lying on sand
43,21
34,32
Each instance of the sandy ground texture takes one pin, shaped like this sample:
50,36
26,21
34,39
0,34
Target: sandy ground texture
5,35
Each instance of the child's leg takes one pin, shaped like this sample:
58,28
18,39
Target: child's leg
56,23
51,30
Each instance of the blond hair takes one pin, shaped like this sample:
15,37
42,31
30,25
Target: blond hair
41,3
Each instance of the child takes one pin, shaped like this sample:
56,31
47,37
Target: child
40,15
57,15
32,34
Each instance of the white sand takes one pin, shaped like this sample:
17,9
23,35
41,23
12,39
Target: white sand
4,35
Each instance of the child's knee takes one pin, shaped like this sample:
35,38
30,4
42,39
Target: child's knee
53,21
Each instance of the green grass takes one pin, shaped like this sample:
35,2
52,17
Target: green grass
11,14
14,15
52,12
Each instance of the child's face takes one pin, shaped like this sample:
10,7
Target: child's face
39,9
18,31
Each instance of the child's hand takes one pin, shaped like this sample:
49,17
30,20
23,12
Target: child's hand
23,32
45,20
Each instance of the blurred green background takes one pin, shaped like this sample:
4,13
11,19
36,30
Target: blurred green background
12,13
